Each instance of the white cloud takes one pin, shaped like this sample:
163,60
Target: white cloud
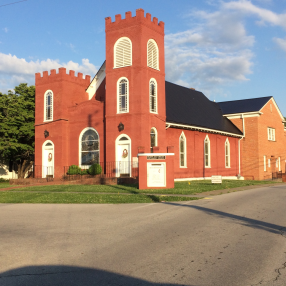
215,52
14,70
265,15
5,30
281,43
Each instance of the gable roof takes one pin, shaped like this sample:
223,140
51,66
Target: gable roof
190,107
243,105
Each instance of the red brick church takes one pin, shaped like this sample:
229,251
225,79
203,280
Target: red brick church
129,110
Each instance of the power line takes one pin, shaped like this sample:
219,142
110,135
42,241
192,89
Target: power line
12,3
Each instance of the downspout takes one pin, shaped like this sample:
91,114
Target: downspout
243,135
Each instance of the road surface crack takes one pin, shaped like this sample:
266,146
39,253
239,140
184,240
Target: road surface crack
37,274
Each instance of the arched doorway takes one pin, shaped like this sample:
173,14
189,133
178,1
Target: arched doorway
123,156
48,159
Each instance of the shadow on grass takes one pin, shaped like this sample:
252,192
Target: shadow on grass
258,224
58,275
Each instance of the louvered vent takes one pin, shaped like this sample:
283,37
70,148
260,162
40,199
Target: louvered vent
153,96
123,53
49,106
152,55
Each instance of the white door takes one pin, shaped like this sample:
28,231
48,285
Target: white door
48,161
124,160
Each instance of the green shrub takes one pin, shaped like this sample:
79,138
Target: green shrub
3,180
95,169
84,172
74,170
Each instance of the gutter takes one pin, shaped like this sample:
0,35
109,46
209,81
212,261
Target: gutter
243,136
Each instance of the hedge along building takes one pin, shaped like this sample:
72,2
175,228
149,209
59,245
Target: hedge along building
129,109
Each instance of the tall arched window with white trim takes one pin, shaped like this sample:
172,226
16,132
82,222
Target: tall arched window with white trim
153,95
207,152
123,53
182,147
48,106
153,138
122,95
152,54
89,147
227,153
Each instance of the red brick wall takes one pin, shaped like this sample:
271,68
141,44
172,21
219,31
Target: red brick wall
195,154
255,145
139,121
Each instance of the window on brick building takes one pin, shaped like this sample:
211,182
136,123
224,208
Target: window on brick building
48,112
207,152
182,147
122,95
153,95
123,53
264,160
227,154
89,147
269,163
271,134
153,138
152,55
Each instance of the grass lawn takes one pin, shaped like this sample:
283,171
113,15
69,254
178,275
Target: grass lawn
181,188
69,194
5,185
77,198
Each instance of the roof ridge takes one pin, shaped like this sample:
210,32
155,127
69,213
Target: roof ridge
245,99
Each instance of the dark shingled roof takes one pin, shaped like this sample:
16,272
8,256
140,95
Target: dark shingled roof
244,105
191,107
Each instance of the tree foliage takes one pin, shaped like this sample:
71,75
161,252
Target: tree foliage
17,131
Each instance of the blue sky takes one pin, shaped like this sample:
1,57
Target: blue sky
227,49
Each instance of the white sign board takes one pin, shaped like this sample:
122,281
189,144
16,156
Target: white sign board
156,174
216,179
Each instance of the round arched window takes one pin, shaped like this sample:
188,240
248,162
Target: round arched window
89,147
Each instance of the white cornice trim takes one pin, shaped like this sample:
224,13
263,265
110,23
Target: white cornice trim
155,154
202,129
245,114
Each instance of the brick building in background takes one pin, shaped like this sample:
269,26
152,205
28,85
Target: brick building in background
128,110
263,149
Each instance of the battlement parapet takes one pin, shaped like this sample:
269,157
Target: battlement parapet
62,75
139,18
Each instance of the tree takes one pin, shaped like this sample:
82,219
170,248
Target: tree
17,130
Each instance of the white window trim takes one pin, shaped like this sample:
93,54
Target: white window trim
265,164
185,148
80,146
269,163
156,96
209,151
156,136
45,105
271,133
127,101
114,52
153,41
279,164
228,145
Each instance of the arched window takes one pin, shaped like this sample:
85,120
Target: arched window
153,138
152,54
48,112
122,95
227,154
123,53
89,147
207,151
183,162
153,95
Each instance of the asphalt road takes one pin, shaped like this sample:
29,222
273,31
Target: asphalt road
232,239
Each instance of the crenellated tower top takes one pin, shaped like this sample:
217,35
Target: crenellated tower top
62,75
139,18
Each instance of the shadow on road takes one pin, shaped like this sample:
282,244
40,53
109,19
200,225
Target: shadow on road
55,275
258,224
